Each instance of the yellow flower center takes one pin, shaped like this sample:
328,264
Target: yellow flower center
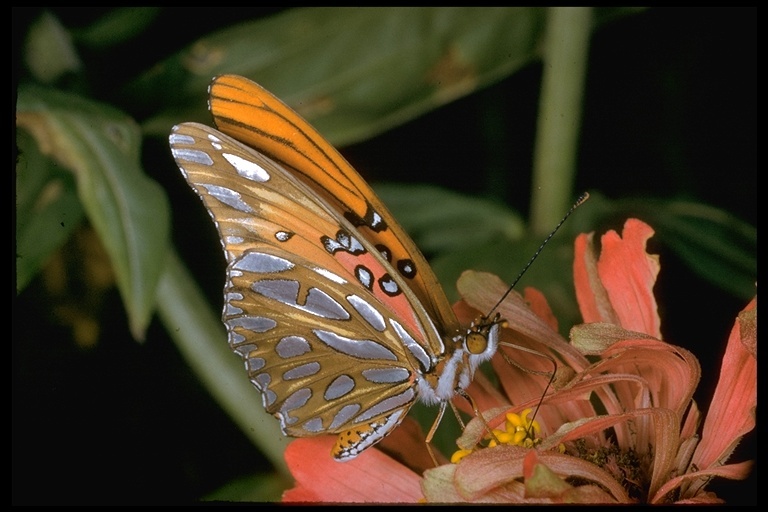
518,430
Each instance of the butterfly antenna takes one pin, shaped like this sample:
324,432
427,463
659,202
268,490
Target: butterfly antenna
582,198
511,362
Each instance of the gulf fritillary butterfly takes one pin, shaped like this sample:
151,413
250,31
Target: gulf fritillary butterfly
340,320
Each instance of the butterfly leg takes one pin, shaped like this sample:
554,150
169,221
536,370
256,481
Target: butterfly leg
433,429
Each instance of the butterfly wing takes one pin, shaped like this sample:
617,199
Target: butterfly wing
327,329
252,115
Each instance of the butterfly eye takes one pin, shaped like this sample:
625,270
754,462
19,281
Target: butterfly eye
476,343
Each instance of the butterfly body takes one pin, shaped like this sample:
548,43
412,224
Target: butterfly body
338,318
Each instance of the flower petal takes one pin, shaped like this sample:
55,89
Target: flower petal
672,373
594,304
542,482
628,274
732,410
407,445
694,494
488,471
371,477
593,339
539,305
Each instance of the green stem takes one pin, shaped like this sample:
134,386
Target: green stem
202,341
566,48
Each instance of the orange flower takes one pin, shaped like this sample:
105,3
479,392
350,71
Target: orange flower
618,425
625,422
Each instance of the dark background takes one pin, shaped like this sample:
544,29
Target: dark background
123,422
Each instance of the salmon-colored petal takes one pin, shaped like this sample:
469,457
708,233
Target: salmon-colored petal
408,446
487,470
628,274
371,477
732,410
484,393
299,494
439,486
672,373
539,305
594,303
692,483
595,338
542,482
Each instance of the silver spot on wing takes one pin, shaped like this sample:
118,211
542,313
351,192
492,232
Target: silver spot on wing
301,371
364,349
365,276
393,402
368,312
392,375
254,364
344,414
417,350
292,346
283,236
286,291
194,156
297,399
262,263
245,349
180,138
228,197
340,386
248,169
314,425
252,323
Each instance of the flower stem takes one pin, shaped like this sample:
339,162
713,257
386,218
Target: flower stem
565,53
200,337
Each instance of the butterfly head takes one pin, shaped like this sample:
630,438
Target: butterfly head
482,340
476,346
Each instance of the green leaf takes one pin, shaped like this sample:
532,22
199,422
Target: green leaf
100,146
117,26
352,73
443,220
202,340
48,49
47,209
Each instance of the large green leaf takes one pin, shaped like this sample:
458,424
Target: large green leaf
352,73
47,208
100,146
117,26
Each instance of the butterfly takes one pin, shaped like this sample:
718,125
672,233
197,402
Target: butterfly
340,321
